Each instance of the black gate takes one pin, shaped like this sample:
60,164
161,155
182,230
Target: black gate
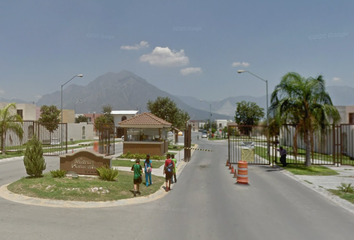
106,140
334,146
52,136
248,143
187,143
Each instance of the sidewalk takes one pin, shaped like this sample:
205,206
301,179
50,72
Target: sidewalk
320,184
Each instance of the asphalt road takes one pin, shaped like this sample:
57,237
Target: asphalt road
204,204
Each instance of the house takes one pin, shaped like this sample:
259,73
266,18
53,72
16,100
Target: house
119,116
145,134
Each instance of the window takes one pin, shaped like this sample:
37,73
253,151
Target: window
351,118
83,131
20,112
124,118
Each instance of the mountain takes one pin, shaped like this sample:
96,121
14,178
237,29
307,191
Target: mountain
340,95
13,100
226,106
123,91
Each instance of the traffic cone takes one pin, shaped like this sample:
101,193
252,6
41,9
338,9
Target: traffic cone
227,162
229,166
232,170
235,174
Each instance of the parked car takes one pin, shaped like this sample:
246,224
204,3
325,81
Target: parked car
205,134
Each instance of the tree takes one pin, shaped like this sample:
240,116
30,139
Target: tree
165,108
106,119
33,160
10,120
50,118
81,118
304,103
248,113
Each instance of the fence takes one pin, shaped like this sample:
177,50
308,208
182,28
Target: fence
54,141
334,146
106,140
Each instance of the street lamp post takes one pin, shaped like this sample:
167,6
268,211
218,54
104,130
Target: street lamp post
266,81
61,106
209,116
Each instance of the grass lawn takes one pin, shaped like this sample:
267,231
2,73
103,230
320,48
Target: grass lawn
83,188
128,163
314,170
347,196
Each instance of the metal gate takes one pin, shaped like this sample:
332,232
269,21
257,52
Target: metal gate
248,143
187,143
106,140
334,146
52,136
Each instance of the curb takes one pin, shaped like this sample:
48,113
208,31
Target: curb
6,194
322,191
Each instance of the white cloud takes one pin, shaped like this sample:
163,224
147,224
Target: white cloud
244,64
187,71
2,91
336,79
142,44
161,56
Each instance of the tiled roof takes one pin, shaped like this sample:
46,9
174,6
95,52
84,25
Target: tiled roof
145,118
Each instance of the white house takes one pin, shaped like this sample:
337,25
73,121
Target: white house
119,116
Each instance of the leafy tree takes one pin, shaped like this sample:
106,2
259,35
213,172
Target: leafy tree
105,119
165,108
304,103
50,118
207,126
33,160
81,118
9,120
248,113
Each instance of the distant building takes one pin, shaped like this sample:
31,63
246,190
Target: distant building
346,114
119,116
25,110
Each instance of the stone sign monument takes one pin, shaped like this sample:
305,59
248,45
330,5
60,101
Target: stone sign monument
84,162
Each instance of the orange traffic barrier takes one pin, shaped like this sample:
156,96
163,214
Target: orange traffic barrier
242,175
95,146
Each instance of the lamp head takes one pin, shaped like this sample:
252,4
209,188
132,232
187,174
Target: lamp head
241,71
80,75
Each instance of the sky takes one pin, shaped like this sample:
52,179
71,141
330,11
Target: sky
186,48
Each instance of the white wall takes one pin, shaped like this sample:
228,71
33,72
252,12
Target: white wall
75,131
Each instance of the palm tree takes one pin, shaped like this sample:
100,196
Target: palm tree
9,120
304,103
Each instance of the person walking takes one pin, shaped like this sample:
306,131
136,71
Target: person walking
148,170
168,170
282,152
175,168
137,176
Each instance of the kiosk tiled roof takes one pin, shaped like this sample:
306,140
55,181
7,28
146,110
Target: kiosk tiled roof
145,118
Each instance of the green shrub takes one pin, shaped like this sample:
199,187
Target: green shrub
346,188
58,173
107,174
33,159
